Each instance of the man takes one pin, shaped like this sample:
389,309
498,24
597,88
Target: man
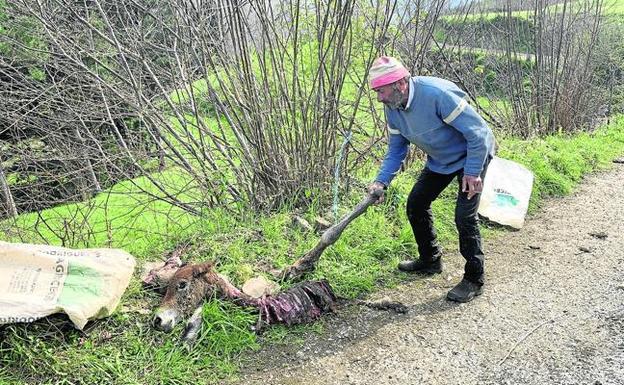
433,114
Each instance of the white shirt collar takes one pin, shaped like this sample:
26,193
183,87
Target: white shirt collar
410,95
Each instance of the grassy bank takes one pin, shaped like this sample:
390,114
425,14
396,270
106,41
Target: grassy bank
124,349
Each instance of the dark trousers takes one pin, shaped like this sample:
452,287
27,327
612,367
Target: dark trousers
426,189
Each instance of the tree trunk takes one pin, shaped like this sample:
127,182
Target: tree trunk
6,192
95,184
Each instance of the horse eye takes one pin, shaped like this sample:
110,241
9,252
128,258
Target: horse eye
182,285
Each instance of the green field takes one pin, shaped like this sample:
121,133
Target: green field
610,8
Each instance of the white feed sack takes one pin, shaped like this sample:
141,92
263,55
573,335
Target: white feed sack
39,280
506,192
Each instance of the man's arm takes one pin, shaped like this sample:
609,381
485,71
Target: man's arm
455,111
397,150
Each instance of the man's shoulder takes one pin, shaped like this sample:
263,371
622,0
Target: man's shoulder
432,85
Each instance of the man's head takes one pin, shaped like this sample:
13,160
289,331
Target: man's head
389,79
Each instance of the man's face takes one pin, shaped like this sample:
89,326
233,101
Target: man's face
392,95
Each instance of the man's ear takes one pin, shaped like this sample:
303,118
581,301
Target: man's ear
404,84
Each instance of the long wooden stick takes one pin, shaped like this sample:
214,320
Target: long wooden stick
307,263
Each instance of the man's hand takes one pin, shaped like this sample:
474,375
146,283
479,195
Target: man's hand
377,188
472,185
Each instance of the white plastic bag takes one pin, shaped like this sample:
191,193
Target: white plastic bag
39,280
506,192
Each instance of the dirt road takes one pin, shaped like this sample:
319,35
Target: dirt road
552,312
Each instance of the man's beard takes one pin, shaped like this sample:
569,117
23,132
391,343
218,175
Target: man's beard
395,101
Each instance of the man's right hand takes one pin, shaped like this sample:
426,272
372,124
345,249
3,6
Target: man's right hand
378,189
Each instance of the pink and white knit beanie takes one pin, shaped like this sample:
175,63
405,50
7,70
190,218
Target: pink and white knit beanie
386,70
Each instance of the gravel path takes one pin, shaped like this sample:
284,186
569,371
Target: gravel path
552,312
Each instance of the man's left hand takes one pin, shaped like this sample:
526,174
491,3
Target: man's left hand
472,185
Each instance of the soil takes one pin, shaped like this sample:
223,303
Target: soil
552,312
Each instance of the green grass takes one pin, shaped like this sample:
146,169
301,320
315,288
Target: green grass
125,349
495,106
611,8
489,16
614,7
559,162
124,216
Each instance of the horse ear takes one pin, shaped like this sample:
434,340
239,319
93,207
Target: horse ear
202,268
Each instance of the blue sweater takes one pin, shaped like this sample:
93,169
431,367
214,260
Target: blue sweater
439,121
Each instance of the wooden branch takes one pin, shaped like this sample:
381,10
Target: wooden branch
307,263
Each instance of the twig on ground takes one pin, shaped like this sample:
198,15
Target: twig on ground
524,338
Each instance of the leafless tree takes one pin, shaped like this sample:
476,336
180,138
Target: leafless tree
539,69
242,98
255,104
7,195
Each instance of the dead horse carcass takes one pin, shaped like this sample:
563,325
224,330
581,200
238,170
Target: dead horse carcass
191,284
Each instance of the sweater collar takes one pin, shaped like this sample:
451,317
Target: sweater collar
410,96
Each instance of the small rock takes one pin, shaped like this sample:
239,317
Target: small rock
599,235
260,286
585,249
302,223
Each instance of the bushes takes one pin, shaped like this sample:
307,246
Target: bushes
490,32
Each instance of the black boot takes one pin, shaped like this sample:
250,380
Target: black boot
421,266
465,291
